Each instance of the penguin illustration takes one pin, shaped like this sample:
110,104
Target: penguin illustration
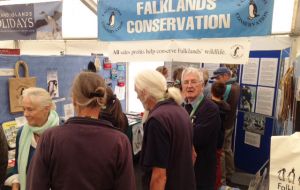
282,176
236,51
112,18
51,21
252,10
291,176
246,98
52,88
20,90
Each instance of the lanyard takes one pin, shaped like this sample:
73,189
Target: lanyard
197,106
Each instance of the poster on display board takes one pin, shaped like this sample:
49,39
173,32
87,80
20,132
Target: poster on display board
265,100
258,85
52,83
254,123
268,72
33,21
129,20
250,72
247,98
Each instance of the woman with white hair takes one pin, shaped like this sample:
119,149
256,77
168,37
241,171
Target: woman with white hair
86,152
39,111
166,155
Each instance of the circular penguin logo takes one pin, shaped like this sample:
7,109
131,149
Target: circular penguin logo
254,12
237,51
111,20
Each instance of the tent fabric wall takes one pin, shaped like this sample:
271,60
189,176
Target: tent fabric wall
47,47
270,43
296,18
296,47
58,47
82,47
42,47
7,44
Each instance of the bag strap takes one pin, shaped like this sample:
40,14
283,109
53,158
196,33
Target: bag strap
226,94
25,67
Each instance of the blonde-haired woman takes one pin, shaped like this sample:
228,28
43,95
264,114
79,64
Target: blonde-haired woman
39,111
86,152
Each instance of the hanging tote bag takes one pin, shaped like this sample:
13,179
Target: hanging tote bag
17,85
285,162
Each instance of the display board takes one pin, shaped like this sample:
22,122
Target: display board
60,72
256,118
256,114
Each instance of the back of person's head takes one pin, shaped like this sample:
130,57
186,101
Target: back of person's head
205,75
194,71
177,74
218,89
177,77
39,96
163,70
89,90
113,111
222,73
155,85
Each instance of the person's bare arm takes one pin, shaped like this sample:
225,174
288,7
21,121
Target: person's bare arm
15,186
158,179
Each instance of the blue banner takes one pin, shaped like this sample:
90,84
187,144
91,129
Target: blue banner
31,21
127,20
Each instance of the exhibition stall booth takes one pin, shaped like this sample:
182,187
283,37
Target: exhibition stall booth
261,66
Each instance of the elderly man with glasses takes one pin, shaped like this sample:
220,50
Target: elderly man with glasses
206,121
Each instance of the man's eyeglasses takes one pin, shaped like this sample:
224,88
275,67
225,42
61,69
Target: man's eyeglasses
192,82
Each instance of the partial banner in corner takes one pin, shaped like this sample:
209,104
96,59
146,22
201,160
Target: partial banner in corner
132,20
227,51
33,21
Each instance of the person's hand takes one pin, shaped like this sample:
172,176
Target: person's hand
194,155
15,186
36,137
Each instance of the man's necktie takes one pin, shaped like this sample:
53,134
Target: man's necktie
188,108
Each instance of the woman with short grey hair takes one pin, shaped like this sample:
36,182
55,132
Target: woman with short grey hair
39,111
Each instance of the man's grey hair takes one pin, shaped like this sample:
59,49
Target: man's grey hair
192,70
